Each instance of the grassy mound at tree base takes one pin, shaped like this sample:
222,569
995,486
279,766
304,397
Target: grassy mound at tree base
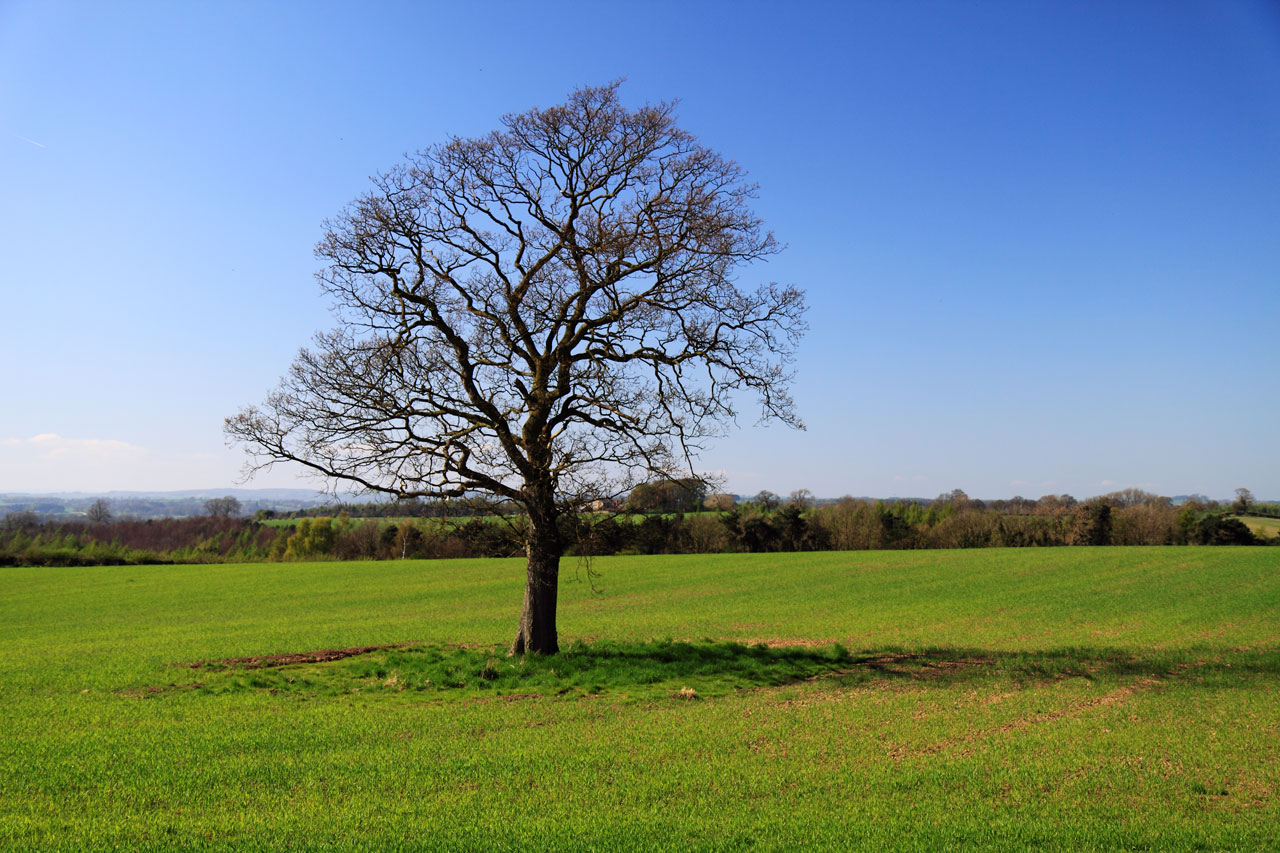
683,670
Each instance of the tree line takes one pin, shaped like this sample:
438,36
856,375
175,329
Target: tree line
27,541
765,523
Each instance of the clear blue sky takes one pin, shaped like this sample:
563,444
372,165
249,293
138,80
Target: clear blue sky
1041,241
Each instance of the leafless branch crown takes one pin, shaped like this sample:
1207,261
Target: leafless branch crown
551,304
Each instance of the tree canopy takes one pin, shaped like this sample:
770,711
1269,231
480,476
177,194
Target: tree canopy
547,313
224,507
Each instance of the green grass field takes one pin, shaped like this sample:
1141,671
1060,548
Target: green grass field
1265,527
1081,698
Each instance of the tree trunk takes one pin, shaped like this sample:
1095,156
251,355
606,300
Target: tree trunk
537,630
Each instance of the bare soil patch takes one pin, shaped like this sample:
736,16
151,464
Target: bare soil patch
287,658
912,665
778,643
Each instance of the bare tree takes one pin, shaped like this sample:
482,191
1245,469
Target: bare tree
766,499
1244,502
1131,497
802,498
547,314
22,519
99,512
226,507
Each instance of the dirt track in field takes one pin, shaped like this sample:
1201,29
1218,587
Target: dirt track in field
264,661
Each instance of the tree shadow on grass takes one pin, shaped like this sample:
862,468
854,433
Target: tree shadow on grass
1197,665
669,668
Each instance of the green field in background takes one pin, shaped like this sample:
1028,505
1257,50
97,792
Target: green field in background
1265,527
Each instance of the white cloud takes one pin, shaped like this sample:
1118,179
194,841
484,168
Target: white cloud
51,462
1111,484
52,445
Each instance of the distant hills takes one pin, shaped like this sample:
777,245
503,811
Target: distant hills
174,504
205,494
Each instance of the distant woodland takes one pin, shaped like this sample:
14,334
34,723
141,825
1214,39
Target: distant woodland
676,517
